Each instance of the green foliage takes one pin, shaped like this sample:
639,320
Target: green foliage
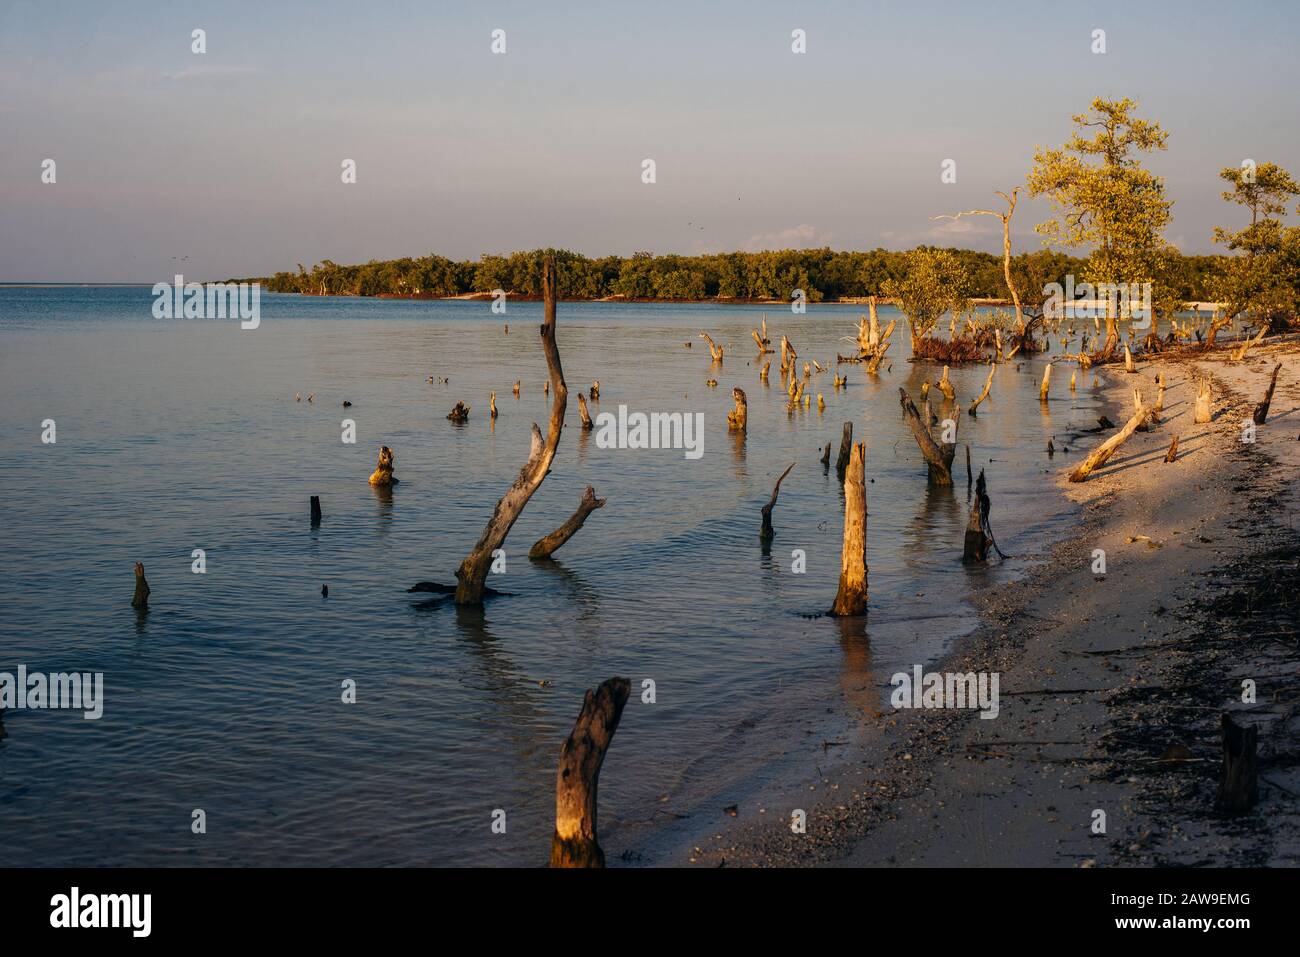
1264,279
934,281
1105,199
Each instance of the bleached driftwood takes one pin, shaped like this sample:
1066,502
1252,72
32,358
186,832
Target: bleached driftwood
1104,451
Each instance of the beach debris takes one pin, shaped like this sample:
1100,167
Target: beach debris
140,600
1238,784
767,533
938,456
1150,542
737,419
1105,423
1260,415
583,414
1203,412
472,574
574,842
1173,450
984,394
459,413
383,473
851,598
846,450
543,547
1103,452
315,510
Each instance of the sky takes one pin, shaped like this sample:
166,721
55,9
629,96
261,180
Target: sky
228,163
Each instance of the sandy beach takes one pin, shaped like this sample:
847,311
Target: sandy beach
1112,686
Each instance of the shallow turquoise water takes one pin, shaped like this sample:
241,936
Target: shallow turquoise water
183,434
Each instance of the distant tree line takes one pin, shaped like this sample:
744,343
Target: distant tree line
822,274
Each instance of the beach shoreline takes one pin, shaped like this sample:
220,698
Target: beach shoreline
1112,685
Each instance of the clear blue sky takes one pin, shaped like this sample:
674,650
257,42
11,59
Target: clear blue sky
232,158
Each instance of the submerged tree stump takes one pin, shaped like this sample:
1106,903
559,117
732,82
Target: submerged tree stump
315,510
1260,415
459,414
767,533
543,547
738,418
574,842
140,600
1238,782
977,542
472,574
383,474
846,450
938,457
851,599
583,414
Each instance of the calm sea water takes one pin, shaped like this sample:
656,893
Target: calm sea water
226,696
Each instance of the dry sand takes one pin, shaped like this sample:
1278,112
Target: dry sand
1112,686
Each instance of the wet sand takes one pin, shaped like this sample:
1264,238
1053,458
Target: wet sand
1111,686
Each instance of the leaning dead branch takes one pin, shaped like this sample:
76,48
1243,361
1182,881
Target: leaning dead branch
1240,354
583,414
767,533
851,598
472,573
937,456
543,547
988,384
1104,451
1261,411
574,842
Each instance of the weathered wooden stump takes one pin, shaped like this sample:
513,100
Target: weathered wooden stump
766,533
459,414
383,474
846,449
140,600
851,598
574,842
1238,783
1204,411
543,547
738,418
315,510
583,414
976,546
1260,415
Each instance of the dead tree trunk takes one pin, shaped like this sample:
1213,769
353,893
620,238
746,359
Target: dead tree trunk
1261,410
851,599
846,449
140,600
583,414
1104,451
988,384
1172,454
977,543
545,546
1238,783
1203,412
472,573
574,841
767,533
383,476
315,510
938,457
